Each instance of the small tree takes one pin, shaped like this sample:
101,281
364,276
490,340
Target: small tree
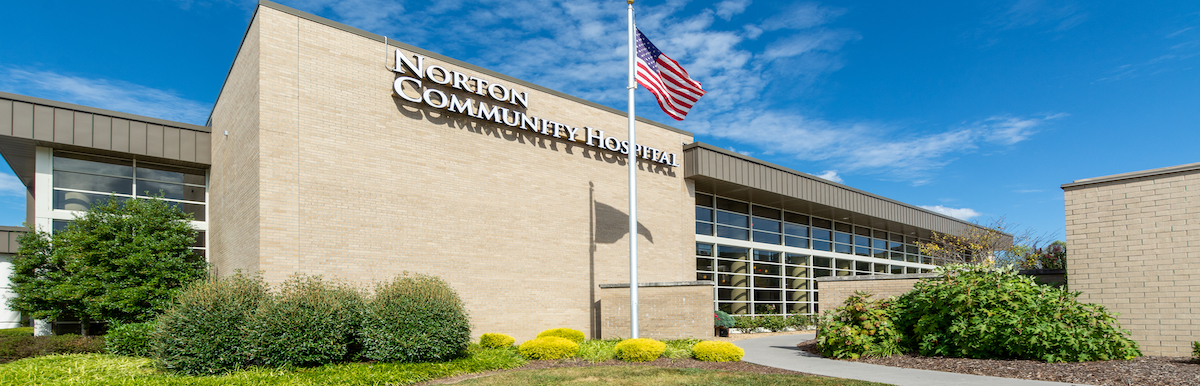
994,244
119,261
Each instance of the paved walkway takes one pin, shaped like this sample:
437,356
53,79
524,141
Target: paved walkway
781,351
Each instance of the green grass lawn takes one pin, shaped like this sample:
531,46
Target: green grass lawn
104,369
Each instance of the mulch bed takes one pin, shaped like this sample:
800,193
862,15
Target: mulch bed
1139,371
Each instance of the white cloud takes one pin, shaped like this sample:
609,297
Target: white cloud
964,214
104,93
728,8
11,186
1058,15
1008,130
831,175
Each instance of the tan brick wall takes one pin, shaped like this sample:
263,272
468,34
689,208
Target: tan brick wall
1134,246
675,312
354,183
233,179
833,293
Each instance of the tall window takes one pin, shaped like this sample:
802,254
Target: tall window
81,180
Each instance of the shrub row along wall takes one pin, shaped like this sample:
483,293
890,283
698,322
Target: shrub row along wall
672,310
832,291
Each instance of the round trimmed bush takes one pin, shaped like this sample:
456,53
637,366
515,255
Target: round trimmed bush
550,347
202,334
717,351
415,318
493,340
310,322
565,333
639,350
129,339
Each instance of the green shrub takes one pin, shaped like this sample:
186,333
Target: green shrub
598,350
773,323
1195,350
746,323
801,322
19,331
565,333
129,339
415,318
202,333
980,312
549,347
639,350
861,327
19,347
309,322
493,340
679,348
722,319
717,351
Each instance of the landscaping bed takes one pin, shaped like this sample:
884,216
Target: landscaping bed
686,363
1137,371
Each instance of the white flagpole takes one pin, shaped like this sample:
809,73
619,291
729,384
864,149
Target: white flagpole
633,235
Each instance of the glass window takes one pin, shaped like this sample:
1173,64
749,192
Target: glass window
896,269
881,268
703,276
862,241
768,295
703,228
80,201
911,249
842,227
798,308
199,243
768,238
733,206
796,242
843,248
763,224
795,218
842,237
771,213
172,191
821,272
732,233
733,219
822,223
732,294
795,230
797,271
704,264
862,266
862,231
196,210
797,283
727,280
92,164
821,234
823,262
822,245
896,246
164,173
704,214
728,252
797,259
59,225
862,251
103,184
880,253
704,200
767,308
766,269
895,237
878,244
843,264
703,249
768,256
911,258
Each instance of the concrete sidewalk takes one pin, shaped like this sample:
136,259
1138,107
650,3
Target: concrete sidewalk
781,351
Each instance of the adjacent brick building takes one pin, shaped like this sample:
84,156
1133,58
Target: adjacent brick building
1133,245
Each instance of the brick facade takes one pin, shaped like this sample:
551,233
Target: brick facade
1133,245
666,310
834,290
325,172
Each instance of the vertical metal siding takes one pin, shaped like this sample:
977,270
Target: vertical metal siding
64,126
137,137
204,148
6,117
154,140
83,129
171,142
187,145
22,120
102,132
43,123
120,135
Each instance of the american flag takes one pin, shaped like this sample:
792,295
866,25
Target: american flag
663,76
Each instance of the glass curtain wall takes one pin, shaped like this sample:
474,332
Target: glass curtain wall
81,180
764,259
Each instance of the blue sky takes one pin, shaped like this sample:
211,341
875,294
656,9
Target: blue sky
977,109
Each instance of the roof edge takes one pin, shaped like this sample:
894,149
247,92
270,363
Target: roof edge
743,157
456,62
99,111
1133,175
